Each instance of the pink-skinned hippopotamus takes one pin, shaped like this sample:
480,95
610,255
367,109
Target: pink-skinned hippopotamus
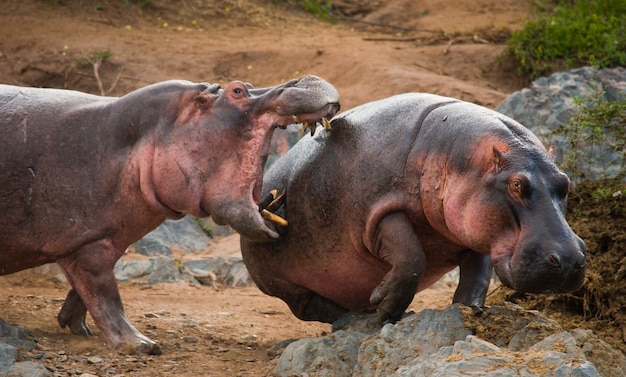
85,176
402,191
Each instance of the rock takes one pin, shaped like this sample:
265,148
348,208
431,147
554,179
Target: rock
95,360
184,234
8,354
334,355
27,369
213,230
184,237
505,340
230,272
548,105
157,269
173,238
13,340
600,353
17,336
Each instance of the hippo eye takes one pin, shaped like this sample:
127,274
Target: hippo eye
238,91
517,186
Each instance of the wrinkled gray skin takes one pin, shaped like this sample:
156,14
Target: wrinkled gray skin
84,176
402,191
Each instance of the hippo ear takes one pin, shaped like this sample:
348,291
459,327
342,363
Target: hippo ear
202,101
552,152
498,160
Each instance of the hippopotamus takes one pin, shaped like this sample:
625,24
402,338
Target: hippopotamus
84,176
404,190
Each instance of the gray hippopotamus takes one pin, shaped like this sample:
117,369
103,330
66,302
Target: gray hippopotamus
85,176
404,190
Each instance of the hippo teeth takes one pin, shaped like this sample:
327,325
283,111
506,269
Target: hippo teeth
326,124
312,125
271,203
273,218
306,125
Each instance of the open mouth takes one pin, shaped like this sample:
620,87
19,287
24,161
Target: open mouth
311,120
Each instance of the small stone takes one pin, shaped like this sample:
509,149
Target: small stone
95,360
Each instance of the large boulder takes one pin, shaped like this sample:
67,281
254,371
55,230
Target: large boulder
548,105
13,341
176,251
505,340
182,236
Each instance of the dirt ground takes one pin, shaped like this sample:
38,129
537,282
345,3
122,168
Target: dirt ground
373,50
202,331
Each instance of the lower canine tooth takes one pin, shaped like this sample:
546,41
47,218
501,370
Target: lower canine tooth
273,218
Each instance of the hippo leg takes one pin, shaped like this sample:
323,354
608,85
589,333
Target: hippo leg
90,272
397,244
73,314
475,275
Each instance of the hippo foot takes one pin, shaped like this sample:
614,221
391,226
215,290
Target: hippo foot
391,298
76,325
73,315
127,340
478,310
145,347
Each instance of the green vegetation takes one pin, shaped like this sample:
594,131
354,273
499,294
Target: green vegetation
96,58
320,8
206,228
568,34
142,3
597,129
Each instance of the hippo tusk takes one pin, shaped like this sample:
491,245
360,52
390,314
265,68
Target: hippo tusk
306,124
326,124
267,200
273,218
271,203
277,202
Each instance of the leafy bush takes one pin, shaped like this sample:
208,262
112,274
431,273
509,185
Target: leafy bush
597,131
569,35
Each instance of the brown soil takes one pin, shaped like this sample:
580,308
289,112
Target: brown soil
375,49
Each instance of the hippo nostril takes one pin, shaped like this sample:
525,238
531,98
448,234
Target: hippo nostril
554,260
582,263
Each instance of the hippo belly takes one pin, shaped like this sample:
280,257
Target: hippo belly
408,188
321,277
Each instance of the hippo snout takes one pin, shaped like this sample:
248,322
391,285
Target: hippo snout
571,266
544,267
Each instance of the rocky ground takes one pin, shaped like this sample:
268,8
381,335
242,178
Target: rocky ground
376,49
